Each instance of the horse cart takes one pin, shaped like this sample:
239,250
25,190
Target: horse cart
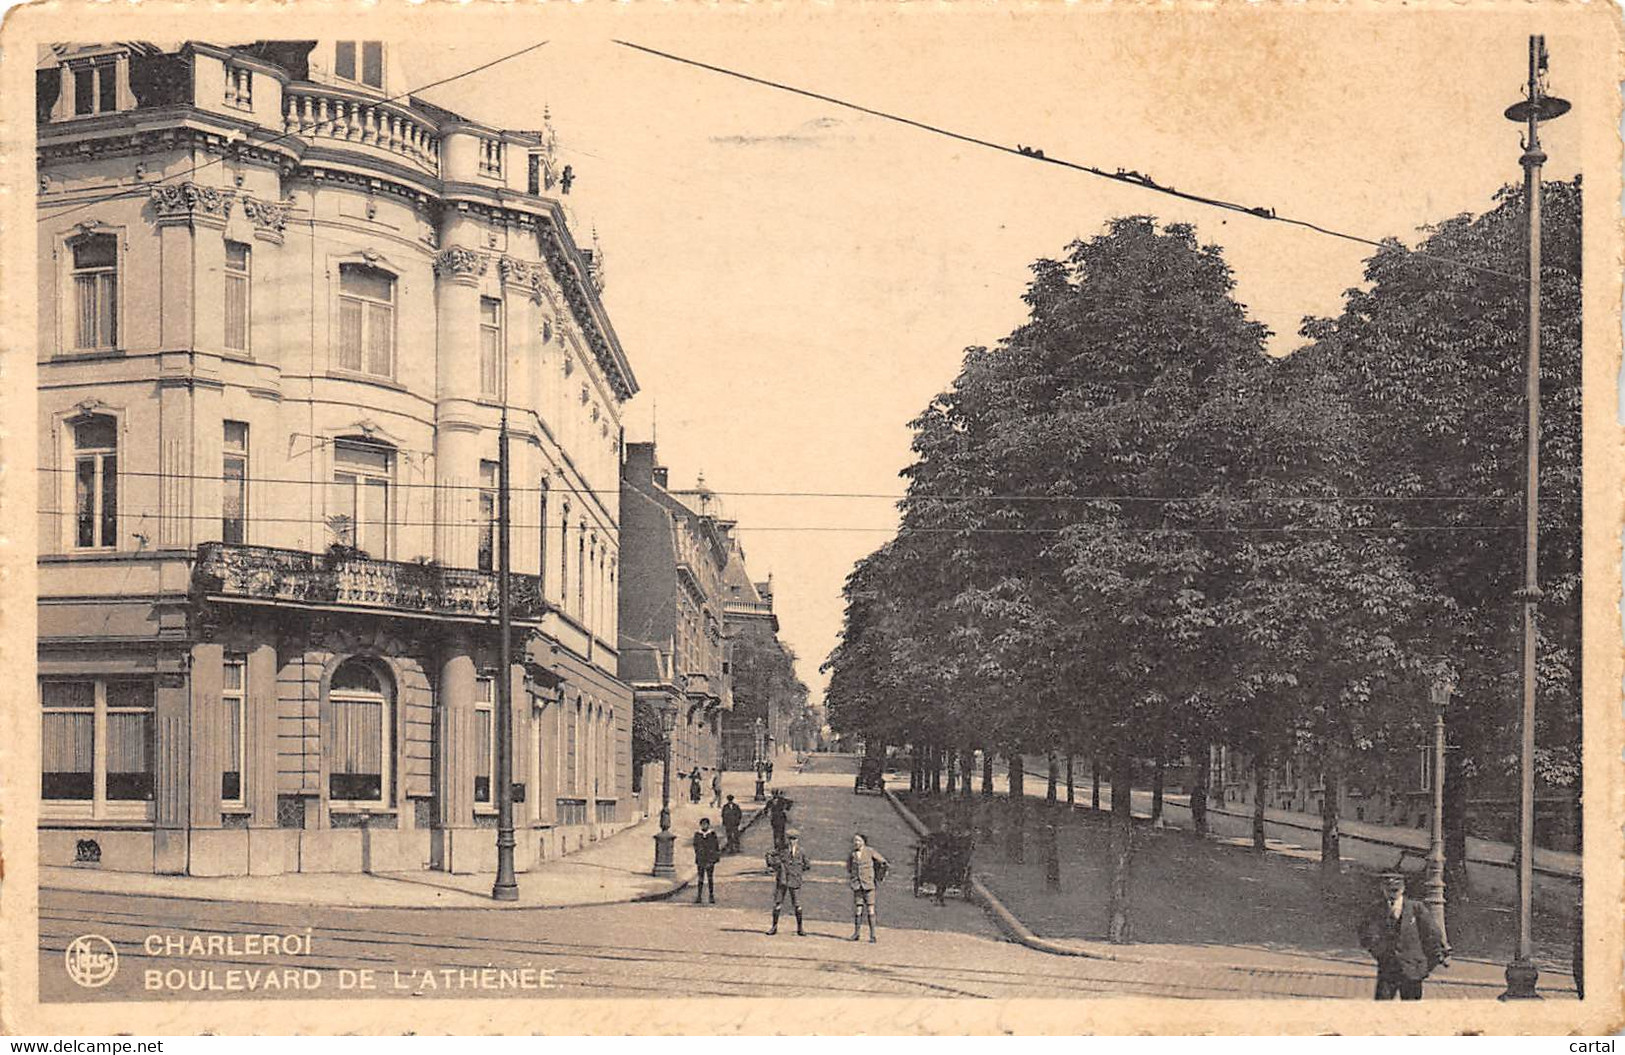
942,862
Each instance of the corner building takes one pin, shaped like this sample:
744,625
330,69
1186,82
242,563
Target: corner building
280,313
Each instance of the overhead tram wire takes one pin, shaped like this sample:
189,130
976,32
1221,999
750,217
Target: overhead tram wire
278,137
879,495
1129,178
894,529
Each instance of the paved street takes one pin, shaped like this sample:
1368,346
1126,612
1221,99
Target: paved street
624,950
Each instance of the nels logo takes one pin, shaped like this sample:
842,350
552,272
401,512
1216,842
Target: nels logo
92,961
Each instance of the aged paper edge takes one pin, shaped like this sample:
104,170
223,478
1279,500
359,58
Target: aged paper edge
1597,103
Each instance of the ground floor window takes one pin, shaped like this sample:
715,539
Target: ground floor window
359,740
97,745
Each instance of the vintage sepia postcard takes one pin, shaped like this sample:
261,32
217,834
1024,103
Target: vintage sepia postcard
843,518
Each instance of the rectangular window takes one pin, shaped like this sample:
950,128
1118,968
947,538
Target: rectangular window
490,346
236,295
106,89
95,482
533,178
485,751
344,60
488,515
372,63
366,320
84,91
358,509
233,705
234,483
68,744
129,740
541,556
95,292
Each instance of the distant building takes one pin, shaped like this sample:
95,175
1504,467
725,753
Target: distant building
767,696
281,307
673,554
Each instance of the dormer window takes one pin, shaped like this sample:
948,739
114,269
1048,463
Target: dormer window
370,70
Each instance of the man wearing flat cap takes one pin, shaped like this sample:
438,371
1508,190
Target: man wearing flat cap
1404,939
788,863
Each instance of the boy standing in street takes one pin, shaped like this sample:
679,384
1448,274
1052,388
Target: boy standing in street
707,852
788,865
865,871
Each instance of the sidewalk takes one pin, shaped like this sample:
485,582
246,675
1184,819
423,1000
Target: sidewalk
614,869
1176,810
1200,905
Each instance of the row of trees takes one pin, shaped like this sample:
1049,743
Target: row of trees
1130,533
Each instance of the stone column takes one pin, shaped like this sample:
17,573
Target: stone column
457,424
454,753
172,791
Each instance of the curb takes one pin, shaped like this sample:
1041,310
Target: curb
650,896
1022,934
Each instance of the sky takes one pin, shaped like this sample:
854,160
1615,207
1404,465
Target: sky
793,282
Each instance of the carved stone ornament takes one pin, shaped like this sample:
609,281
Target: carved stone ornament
189,201
459,262
270,216
522,273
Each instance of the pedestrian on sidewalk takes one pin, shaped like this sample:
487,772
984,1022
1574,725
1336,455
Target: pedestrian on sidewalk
788,865
694,786
706,855
778,816
732,819
716,788
1404,939
865,871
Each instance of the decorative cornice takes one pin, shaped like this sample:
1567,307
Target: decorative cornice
575,294
460,263
188,202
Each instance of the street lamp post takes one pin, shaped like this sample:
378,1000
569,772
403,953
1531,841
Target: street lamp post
1435,882
506,886
1521,973
664,865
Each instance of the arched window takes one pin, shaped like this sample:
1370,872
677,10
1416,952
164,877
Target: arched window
359,743
95,481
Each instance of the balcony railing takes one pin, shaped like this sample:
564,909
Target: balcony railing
749,607
336,578
324,113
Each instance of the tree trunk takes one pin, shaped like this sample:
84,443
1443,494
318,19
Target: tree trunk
1331,851
1456,789
936,770
1199,793
1054,779
1071,791
967,759
1156,794
1094,777
1260,782
1052,856
1122,848
1015,837
915,783
987,772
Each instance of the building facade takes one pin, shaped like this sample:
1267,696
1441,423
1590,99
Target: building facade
768,698
673,557
283,310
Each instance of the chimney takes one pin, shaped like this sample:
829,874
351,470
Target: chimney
640,462
661,476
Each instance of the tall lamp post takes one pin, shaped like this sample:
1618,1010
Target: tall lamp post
664,838
1521,973
1435,883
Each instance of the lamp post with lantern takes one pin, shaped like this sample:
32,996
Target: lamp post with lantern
1442,689
1537,106
664,865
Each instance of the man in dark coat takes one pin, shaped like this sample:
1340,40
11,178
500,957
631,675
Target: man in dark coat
1404,939
788,864
732,820
778,816
694,785
707,852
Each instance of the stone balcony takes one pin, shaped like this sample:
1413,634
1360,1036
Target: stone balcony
324,114
352,582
